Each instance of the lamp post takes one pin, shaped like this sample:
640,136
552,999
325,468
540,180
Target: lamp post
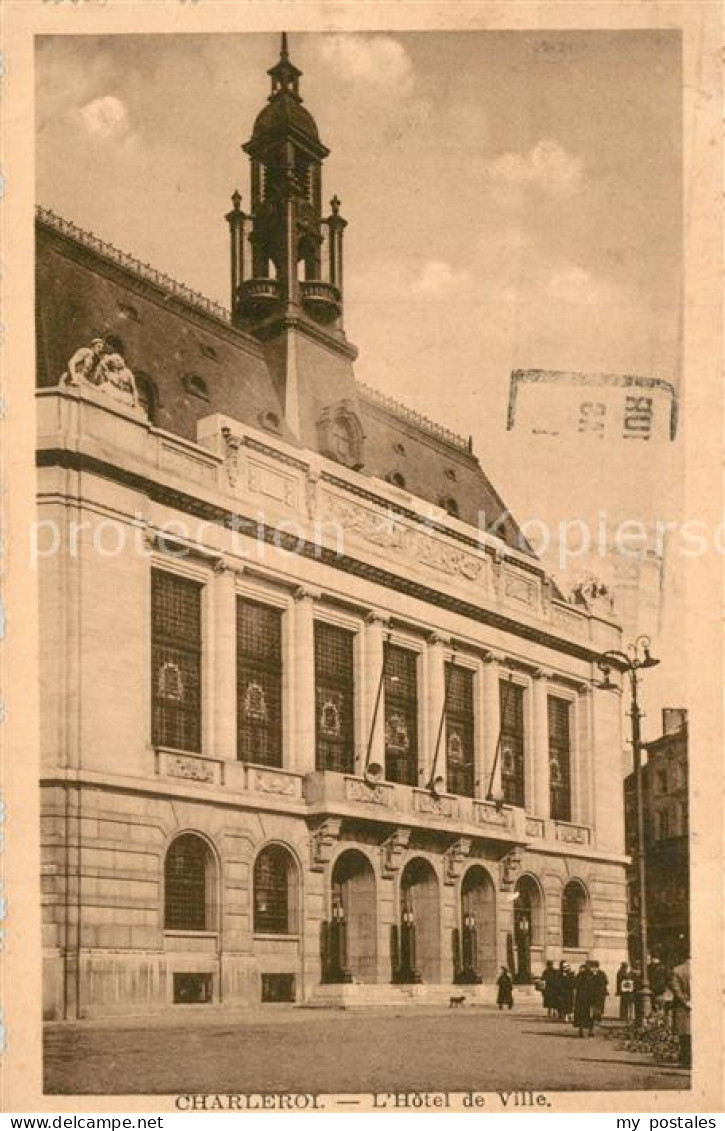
635,658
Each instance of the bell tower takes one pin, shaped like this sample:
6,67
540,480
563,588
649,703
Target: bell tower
286,257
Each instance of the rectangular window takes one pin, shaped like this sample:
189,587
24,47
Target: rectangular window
278,987
193,989
512,743
259,683
175,661
459,730
559,759
401,715
334,698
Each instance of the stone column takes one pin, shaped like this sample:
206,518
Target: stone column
303,653
375,632
491,723
225,664
537,793
435,660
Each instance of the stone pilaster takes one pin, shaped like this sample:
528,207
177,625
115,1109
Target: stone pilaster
537,793
582,801
225,664
491,724
435,659
376,629
303,659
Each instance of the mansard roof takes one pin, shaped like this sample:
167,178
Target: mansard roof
200,364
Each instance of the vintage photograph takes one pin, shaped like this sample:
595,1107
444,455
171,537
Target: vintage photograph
361,554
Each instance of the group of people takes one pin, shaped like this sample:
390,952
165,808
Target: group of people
670,994
629,983
579,998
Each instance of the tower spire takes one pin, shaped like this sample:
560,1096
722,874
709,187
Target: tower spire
284,75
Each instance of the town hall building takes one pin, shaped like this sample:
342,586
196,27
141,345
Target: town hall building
309,734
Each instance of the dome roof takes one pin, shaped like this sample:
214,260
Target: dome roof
282,112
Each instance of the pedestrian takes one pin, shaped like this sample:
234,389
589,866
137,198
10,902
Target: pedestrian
681,1011
565,992
585,993
505,985
638,999
625,991
657,975
549,989
600,984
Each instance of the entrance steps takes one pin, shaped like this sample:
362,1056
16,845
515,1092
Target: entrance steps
360,995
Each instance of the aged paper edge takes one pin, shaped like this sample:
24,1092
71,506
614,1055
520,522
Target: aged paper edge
701,415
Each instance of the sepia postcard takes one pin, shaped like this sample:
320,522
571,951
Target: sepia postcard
362,557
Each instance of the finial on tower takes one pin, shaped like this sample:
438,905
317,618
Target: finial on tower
285,76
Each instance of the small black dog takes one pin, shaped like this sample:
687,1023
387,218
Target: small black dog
456,1001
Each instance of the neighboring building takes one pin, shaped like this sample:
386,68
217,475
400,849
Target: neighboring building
666,838
305,734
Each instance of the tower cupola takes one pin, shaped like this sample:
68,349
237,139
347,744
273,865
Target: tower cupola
286,256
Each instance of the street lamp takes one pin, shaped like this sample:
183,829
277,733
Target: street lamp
635,658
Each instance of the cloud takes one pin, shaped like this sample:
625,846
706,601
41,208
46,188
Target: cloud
547,166
575,285
106,117
378,61
436,278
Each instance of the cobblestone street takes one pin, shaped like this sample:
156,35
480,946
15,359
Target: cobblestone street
282,1050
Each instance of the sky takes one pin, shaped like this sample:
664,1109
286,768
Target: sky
513,200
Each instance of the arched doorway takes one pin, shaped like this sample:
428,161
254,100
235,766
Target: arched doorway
478,924
527,905
353,894
420,909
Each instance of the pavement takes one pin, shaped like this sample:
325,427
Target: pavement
284,1049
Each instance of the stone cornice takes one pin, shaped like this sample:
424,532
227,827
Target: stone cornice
214,512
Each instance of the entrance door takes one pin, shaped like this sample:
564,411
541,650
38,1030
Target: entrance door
353,889
420,905
478,921
526,907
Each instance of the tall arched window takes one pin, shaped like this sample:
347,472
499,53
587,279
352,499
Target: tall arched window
275,892
573,905
188,886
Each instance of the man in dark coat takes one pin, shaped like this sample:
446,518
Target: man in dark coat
625,991
657,975
505,996
600,989
585,997
565,994
550,978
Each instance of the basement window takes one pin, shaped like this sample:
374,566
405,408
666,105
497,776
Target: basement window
193,989
278,987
